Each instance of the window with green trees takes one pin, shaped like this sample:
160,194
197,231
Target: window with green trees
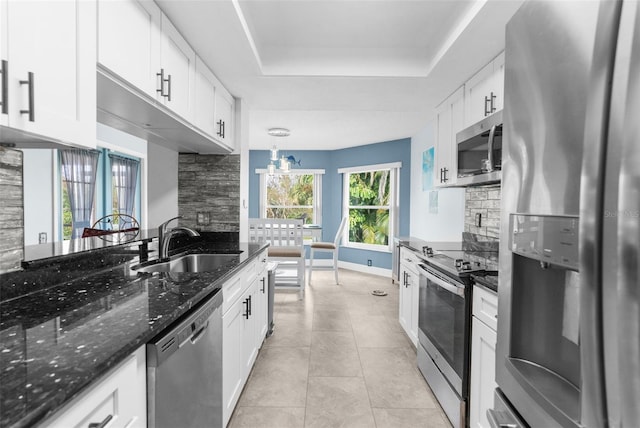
291,196
370,201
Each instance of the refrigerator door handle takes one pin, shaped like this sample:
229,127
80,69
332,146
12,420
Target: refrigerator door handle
592,390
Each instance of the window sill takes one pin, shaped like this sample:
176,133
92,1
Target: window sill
368,247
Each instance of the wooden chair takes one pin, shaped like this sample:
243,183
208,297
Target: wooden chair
331,247
286,244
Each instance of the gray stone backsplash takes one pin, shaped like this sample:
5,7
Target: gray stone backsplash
484,200
209,192
11,210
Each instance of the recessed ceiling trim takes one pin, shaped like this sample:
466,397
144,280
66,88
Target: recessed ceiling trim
247,32
455,33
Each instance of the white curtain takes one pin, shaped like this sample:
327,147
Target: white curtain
125,180
79,169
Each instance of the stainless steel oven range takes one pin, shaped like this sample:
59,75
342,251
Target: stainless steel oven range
444,321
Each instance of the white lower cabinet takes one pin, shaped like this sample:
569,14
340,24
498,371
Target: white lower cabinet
244,320
483,360
119,400
409,294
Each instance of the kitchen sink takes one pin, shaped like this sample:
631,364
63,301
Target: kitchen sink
191,263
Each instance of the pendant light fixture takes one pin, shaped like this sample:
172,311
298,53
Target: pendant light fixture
278,164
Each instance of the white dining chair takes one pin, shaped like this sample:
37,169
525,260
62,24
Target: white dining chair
328,247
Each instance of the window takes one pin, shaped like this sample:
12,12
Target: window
370,201
293,195
114,178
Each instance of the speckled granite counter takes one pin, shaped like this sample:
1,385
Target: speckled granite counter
55,341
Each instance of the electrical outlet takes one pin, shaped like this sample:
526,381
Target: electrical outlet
369,262
42,238
478,220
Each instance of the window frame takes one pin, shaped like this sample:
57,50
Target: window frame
317,190
102,200
394,205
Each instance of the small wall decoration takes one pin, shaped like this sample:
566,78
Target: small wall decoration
428,166
433,202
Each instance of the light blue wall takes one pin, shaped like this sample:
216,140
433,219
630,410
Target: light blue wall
330,161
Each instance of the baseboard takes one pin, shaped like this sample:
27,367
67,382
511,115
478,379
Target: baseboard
325,263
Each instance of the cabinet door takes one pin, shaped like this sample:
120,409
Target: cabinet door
498,81
232,375
415,301
249,325
409,304
129,41
261,308
484,92
177,60
52,78
477,95
405,300
119,398
449,121
224,117
483,373
204,99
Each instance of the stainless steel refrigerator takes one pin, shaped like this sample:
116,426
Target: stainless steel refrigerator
568,350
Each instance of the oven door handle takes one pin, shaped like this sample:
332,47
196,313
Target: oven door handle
447,286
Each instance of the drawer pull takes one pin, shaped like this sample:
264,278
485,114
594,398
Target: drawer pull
101,424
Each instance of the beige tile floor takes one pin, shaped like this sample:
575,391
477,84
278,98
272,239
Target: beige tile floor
337,358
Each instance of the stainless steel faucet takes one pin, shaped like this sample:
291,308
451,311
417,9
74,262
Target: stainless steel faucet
164,236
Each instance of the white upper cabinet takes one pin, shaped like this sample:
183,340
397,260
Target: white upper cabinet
484,92
224,117
449,121
177,71
213,106
49,80
129,41
150,79
205,103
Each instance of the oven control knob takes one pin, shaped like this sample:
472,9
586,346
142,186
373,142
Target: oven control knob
458,263
466,266
428,251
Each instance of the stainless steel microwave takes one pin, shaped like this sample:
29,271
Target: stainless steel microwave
480,152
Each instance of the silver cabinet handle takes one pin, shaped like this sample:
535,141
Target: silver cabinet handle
4,97
31,110
101,424
161,76
169,85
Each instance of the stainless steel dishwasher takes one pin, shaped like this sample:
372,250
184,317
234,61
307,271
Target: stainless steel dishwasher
184,371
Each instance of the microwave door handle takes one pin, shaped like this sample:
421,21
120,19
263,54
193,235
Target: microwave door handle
492,134
449,287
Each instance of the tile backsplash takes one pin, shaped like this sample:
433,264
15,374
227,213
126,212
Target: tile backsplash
209,192
11,210
483,200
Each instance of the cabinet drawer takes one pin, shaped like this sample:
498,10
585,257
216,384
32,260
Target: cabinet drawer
231,291
119,399
485,306
409,260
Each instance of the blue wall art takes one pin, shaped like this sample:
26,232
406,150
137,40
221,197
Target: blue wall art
428,166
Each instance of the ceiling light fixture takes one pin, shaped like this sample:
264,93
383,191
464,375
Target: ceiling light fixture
277,163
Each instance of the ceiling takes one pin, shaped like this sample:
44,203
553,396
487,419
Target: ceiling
341,73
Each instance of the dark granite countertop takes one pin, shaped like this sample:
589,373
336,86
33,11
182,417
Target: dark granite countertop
58,339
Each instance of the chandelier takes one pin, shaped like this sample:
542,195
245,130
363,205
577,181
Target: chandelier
278,163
